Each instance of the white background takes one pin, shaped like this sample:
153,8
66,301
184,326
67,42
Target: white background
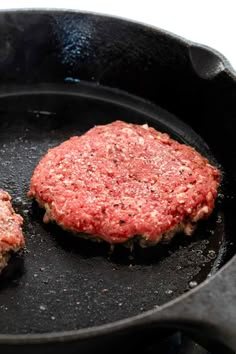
210,22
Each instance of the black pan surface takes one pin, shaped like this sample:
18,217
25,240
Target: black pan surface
64,283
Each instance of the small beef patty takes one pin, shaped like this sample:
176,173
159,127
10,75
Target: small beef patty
123,180
11,236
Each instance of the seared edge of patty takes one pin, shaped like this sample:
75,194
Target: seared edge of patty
186,226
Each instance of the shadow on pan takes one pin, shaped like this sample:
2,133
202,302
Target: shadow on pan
70,283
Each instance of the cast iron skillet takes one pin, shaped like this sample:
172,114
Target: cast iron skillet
62,73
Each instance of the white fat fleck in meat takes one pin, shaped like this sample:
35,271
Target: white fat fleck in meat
184,168
141,140
181,197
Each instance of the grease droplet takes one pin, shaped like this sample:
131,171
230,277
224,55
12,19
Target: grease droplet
193,284
211,254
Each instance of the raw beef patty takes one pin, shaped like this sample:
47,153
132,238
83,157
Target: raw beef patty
11,236
123,180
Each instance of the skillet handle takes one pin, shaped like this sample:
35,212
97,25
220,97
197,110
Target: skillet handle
207,314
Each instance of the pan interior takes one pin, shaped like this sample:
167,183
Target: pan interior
66,283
